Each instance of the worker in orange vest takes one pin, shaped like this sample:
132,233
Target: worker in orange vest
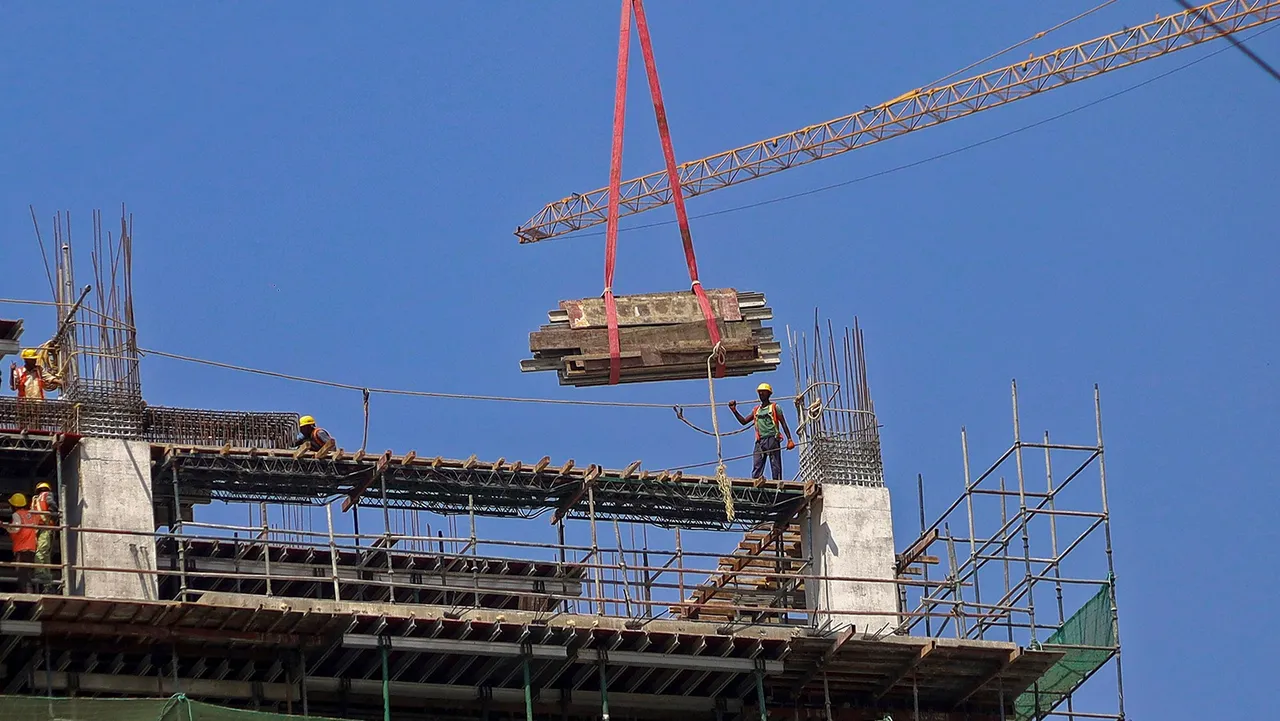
770,425
22,532
31,380
45,511
311,435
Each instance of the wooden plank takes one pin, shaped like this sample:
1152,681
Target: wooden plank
652,308
916,550
596,340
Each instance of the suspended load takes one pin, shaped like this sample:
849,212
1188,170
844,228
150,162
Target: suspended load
662,337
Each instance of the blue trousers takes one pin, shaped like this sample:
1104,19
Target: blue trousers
770,448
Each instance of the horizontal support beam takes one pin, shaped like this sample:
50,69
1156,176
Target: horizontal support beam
245,570
515,650
20,628
578,701
452,646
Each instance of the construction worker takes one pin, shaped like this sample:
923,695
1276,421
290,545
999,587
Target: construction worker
44,508
22,533
312,436
770,425
31,380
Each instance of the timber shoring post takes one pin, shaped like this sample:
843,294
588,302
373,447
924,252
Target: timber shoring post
604,687
764,712
386,538
528,693
595,550
383,642
266,544
64,542
176,528
333,553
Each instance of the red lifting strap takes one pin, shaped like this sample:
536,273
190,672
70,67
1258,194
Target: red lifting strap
673,180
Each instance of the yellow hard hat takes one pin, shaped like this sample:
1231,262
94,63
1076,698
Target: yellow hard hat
306,421
30,354
764,387
18,500
44,486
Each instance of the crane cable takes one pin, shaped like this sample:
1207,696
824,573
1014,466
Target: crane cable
673,181
1019,44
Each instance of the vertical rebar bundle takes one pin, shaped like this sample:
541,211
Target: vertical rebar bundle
838,433
97,348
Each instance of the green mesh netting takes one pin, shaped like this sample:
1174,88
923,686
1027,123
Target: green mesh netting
178,708
1089,626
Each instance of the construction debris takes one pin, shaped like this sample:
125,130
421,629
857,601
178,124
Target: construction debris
663,337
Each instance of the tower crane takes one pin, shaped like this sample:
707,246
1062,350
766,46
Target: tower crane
914,110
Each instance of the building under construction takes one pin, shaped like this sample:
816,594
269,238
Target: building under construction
359,586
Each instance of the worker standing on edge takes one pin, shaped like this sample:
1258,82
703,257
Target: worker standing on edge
45,511
770,425
312,436
30,381
22,533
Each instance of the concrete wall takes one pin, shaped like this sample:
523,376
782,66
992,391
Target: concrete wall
852,536
109,486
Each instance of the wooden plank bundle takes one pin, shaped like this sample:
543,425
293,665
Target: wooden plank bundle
663,337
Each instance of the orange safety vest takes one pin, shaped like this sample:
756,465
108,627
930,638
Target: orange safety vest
24,539
30,385
40,509
777,421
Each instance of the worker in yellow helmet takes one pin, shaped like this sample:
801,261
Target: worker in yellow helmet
311,436
44,509
22,533
770,425
31,380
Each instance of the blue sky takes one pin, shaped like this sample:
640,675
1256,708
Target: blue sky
330,190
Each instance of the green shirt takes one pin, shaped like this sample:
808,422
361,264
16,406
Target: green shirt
766,426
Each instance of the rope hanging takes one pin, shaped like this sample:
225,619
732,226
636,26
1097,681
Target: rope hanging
722,476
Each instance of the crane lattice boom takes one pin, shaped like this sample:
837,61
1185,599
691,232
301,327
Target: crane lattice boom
921,108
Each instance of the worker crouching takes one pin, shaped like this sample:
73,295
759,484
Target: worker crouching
311,436
770,426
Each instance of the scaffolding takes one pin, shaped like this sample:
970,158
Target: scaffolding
635,600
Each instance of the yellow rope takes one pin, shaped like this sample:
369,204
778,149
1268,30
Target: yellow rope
722,476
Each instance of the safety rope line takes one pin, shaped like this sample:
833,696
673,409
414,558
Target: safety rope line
679,411
412,393
615,189
673,182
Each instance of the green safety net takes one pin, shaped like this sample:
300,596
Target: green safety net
177,708
1090,626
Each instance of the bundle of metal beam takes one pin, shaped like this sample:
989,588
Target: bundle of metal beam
663,337
498,488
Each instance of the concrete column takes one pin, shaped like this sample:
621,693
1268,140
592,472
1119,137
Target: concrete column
851,535
109,487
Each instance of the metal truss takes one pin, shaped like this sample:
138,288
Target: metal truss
914,110
500,489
